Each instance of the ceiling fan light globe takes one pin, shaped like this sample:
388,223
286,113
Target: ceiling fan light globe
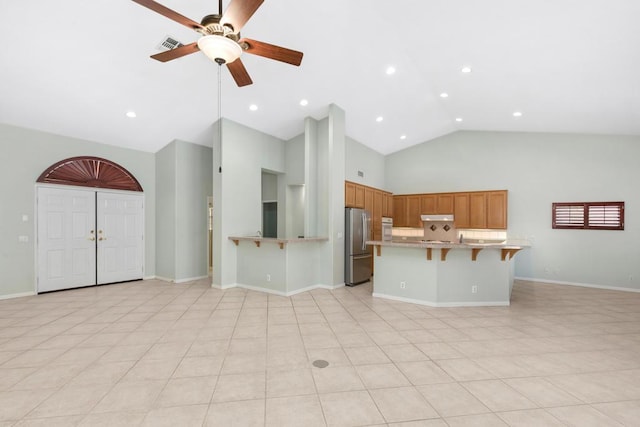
219,48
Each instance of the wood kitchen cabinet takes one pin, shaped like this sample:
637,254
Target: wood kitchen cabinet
406,211
497,209
413,212
376,214
399,211
349,194
387,204
428,204
461,210
359,197
477,210
445,203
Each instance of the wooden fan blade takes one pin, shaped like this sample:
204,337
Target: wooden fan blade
178,52
171,14
239,12
239,73
271,51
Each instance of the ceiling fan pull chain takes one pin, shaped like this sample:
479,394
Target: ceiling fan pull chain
220,113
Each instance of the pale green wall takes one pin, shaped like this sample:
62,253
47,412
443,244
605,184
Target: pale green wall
26,154
237,192
359,157
166,212
193,186
539,169
183,174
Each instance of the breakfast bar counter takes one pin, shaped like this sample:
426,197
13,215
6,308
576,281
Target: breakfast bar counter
445,274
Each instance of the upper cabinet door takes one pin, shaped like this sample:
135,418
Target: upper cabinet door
359,197
461,210
413,212
477,210
399,211
428,204
497,209
349,195
445,203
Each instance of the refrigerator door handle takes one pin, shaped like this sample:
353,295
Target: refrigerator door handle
365,232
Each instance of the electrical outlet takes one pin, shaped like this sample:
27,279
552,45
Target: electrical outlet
403,285
268,277
474,289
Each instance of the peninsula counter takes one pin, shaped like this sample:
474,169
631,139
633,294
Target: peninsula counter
444,274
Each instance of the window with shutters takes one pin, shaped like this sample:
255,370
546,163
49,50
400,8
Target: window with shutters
588,215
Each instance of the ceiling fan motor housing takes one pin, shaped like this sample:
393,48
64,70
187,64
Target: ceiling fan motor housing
212,26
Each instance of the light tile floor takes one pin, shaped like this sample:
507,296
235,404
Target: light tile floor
152,353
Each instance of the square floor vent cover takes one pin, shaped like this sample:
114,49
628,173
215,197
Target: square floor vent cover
168,43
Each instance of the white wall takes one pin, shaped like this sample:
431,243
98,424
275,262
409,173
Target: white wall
359,157
26,153
539,169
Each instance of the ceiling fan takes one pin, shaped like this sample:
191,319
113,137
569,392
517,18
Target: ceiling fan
221,39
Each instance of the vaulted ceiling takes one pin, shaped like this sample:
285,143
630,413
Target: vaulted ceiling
76,68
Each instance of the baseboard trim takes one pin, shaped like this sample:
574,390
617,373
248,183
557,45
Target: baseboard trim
276,292
18,295
164,279
190,279
582,285
443,304
223,287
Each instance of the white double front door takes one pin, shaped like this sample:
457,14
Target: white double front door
88,237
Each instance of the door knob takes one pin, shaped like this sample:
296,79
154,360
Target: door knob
92,237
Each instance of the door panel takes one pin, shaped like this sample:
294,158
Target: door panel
120,237
66,239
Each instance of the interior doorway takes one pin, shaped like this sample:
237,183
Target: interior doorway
270,219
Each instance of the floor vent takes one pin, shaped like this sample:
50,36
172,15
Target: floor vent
168,43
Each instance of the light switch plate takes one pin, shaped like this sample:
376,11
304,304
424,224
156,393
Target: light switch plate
23,239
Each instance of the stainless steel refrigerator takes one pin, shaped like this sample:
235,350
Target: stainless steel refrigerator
357,230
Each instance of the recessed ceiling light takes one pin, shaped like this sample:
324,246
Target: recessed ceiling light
253,107
403,137
304,102
379,119
517,114
391,70
458,119
131,114
444,95
466,69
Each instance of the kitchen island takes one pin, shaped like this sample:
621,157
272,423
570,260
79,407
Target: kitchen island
444,274
282,266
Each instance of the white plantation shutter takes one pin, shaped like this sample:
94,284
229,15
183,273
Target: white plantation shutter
589,215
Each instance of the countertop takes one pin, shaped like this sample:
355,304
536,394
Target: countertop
278,240
515,244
